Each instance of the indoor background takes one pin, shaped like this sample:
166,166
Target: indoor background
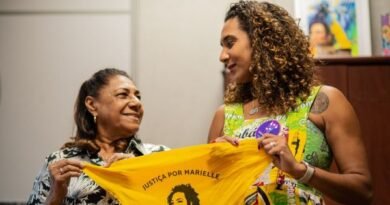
170,48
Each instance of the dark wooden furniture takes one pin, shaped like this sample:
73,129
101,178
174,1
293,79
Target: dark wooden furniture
365,81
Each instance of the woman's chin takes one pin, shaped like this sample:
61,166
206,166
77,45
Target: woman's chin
239,79
130,131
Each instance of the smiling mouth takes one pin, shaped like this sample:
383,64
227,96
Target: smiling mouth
135,116
231,67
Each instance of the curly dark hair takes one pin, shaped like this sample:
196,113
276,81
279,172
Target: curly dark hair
282,66
189,193
85,126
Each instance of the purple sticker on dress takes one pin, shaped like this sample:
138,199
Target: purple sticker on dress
269,126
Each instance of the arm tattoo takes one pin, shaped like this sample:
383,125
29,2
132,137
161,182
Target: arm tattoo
320,104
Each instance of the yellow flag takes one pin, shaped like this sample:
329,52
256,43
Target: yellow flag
216,174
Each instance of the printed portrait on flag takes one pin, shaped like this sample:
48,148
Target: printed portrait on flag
183,194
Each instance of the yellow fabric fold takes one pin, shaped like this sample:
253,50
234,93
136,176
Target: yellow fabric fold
217,174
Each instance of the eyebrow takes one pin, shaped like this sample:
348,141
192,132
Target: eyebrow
126,89
136,92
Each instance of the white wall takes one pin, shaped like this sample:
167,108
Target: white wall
177,69
176,50
47,48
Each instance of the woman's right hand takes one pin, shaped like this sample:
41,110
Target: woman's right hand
60,174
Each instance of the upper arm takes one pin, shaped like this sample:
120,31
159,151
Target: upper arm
216,127
41,186
342,130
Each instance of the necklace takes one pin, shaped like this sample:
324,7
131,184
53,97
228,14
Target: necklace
254,109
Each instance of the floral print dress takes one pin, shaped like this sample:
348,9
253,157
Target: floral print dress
82,190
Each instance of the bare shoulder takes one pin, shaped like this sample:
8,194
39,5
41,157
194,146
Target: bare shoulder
216,127
330,105
219,114
327,98
331,91
220,110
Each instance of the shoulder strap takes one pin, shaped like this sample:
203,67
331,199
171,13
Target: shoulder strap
234,118
296,123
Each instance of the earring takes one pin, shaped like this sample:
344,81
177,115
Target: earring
94,119
251,69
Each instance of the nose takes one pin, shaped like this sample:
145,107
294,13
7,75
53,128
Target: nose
135,103
223,56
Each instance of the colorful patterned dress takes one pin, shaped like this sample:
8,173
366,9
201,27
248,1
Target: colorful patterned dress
313,149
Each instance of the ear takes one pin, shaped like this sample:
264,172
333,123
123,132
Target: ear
90,103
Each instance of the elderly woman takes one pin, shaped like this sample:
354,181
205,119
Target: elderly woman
108,113
301,124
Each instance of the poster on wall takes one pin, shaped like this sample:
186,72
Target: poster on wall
335,27
385,25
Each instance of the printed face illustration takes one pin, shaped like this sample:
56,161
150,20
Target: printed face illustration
179,198
183,194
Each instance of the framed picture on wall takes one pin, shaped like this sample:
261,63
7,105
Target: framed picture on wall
336,27
385,25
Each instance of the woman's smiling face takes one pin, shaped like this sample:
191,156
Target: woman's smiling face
236,52
119,109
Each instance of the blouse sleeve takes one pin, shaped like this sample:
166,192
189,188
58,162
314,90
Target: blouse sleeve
41,186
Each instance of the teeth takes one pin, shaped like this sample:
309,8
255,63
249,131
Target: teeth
133,116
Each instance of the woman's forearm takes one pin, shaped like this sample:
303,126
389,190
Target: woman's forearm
54,198
349,188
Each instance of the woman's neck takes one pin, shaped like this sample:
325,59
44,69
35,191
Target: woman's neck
105,144
105,139
107,148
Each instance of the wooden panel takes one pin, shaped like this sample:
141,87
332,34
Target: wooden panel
334,75
369,61
369,92
366,84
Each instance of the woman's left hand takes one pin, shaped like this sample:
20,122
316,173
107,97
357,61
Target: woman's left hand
118,156
277,148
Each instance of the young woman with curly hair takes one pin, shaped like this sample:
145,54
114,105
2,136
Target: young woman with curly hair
274,96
